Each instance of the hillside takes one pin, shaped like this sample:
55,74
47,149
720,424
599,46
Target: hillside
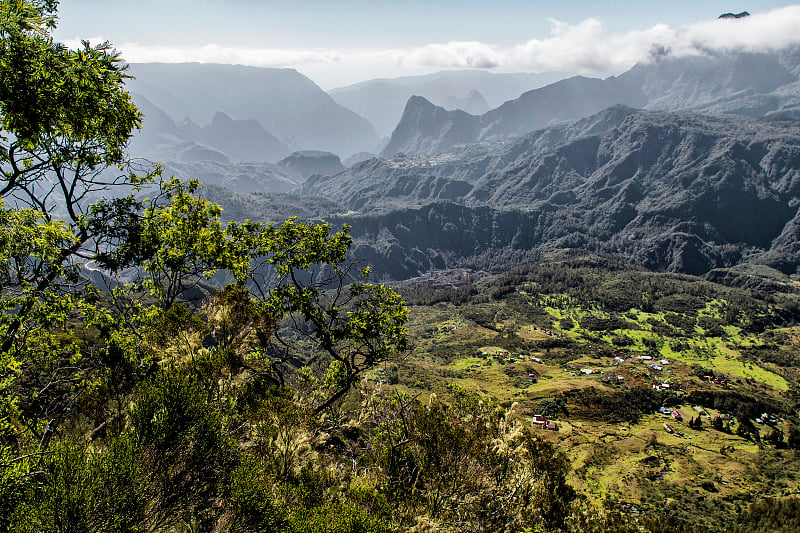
598,347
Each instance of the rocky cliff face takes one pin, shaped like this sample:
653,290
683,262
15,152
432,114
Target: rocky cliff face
426,129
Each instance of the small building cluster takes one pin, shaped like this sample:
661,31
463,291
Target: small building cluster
670,412
770,420
715,380
671,431
545,422
665,385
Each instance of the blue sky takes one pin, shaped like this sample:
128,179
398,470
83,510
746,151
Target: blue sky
340,42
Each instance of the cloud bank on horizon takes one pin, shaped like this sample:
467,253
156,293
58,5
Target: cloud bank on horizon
585,48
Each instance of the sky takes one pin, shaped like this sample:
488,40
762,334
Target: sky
337,43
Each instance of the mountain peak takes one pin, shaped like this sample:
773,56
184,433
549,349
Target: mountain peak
221,118
425,128
419,102
474,103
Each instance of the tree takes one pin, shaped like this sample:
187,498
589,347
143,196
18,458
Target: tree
71,355
176,240
297,274
65,120
355,324
65,116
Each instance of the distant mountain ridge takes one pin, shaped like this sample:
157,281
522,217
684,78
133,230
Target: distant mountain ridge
751,84
286,104
382,101
224,139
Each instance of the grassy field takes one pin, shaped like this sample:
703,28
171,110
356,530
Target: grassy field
545,349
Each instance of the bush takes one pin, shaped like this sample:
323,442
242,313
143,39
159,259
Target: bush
82,490
336,518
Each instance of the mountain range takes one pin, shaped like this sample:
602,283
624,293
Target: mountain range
283,111
679,191
605,165
743,83
381,101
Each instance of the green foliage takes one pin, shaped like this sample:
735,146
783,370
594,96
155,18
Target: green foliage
64,119
472,466
180,432
52,97
77,489
252,499
776,515
177,241
336,518
617,406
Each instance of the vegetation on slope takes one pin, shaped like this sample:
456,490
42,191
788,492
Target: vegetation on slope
600,346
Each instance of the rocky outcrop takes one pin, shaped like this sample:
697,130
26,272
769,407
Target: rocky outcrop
310,162
425,129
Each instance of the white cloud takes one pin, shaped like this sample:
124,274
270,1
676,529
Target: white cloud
762,31
462,54
583,48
